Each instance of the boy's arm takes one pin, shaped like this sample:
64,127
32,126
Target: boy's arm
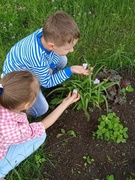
47,79
51,118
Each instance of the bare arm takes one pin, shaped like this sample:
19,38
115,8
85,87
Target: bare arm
51,118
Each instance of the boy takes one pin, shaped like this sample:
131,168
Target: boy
44,54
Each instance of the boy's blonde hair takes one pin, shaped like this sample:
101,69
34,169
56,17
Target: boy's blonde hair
18,87
60,28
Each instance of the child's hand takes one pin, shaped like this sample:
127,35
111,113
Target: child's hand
51,71
51,118
71,98
79,70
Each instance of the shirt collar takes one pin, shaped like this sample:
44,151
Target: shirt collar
40,44
19,117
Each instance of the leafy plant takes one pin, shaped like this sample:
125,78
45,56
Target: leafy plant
110,128
92,91
115,94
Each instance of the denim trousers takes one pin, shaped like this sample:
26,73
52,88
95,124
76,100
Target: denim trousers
17,153
41,106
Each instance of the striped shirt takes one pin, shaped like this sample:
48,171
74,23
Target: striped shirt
29,54
15,129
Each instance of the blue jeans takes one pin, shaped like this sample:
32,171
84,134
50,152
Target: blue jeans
41,106
17,153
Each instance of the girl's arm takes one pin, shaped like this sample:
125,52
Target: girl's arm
51,118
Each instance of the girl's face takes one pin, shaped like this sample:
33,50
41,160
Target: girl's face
65,49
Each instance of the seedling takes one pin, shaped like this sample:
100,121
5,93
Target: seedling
39,160
71,133
109,158
63,132
110,177
88,160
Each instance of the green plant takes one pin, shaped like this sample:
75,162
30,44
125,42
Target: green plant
92,91
69,132
115,94
109,158
39,160
110,128
110,177
88,160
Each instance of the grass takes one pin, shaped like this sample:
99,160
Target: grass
107,37
30,168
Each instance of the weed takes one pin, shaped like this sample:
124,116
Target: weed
39,160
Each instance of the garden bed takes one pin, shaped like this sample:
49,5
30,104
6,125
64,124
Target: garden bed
85,158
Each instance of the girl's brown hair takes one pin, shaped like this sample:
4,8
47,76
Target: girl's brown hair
18,87
60,28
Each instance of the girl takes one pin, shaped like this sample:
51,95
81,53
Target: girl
18,138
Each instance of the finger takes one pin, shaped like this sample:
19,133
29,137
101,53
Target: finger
77,98
69,95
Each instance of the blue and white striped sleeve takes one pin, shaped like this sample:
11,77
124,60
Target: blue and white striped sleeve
48,80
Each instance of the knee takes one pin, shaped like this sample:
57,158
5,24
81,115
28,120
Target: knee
43,138
38,110
42,110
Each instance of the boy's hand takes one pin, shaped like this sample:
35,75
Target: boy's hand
71,98
51,71
79,70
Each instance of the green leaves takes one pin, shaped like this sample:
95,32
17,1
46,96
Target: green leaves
93,93
110,177
110,128
103,86
39,160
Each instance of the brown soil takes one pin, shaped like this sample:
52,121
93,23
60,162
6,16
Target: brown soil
66,152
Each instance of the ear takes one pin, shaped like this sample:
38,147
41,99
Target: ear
50,46
26,105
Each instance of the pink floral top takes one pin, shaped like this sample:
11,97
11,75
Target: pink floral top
15,129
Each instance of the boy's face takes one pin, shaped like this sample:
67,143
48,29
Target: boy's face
65,49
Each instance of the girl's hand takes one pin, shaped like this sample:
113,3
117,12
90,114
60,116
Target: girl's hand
51,118
71,98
